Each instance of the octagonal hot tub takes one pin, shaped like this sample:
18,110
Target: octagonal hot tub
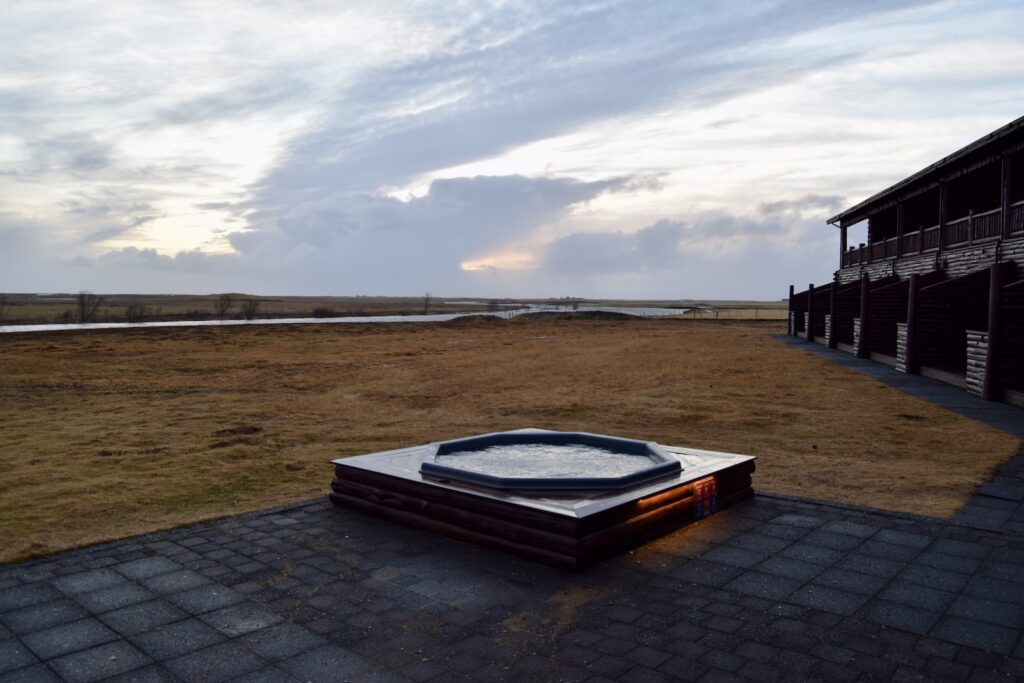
537,460
564,498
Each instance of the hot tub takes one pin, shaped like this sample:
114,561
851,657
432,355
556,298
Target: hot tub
564,498
536,460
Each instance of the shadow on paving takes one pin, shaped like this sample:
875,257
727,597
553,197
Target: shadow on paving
997,504
773,589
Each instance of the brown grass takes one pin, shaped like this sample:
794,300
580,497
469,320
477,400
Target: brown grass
105,434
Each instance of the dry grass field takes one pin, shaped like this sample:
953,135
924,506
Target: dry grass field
104,434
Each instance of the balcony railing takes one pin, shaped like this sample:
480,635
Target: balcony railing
971,228
1017,218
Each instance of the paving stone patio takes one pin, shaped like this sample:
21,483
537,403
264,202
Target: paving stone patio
773,589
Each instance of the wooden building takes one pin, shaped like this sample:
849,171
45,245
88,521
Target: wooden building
938,288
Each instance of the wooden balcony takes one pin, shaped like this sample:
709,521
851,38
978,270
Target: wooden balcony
976,227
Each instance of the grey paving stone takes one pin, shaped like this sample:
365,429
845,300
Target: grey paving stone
45,615
950,563
759,543
828,599
146,567
960,548
84,582
99,663
218,663
805,521
977,634
849,581
707,573
174,640
683,669
142,617
850,528
888,551
832,539
806,552
736,557
282,641
39,673
18,597
14,655
906,617
175,582
60,640
326,663
272,674
994,612
797,570
995,589
934,578
205,598
912,540
112,598
914,595
148,674
763,585
875,566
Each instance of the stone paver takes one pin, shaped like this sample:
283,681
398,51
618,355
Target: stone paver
997,504
773,589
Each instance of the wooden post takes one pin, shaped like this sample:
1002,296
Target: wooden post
991,390
865,281
1007,170
832,341
942,215
842,246
809,323
970,226
899,229
911,352
792,322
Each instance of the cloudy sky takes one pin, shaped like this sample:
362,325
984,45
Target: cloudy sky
641,149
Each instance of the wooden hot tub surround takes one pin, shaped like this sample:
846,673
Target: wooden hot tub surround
566,529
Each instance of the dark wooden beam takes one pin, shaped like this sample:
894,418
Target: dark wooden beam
809,324
991,389
832,341
899,229
1007,174
865,282
792,323
842,246
911,352
943,192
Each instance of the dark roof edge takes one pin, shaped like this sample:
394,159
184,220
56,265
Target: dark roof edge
995,135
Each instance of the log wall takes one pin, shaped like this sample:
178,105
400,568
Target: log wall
977,359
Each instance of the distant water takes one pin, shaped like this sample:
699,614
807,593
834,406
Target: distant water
433,317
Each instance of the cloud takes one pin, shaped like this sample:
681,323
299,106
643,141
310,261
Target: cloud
830,203
476,98
609,147
656,247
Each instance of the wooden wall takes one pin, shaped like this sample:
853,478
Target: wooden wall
945,311
887,305
1012,351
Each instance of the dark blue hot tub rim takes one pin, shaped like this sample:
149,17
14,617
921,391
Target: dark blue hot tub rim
664,465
